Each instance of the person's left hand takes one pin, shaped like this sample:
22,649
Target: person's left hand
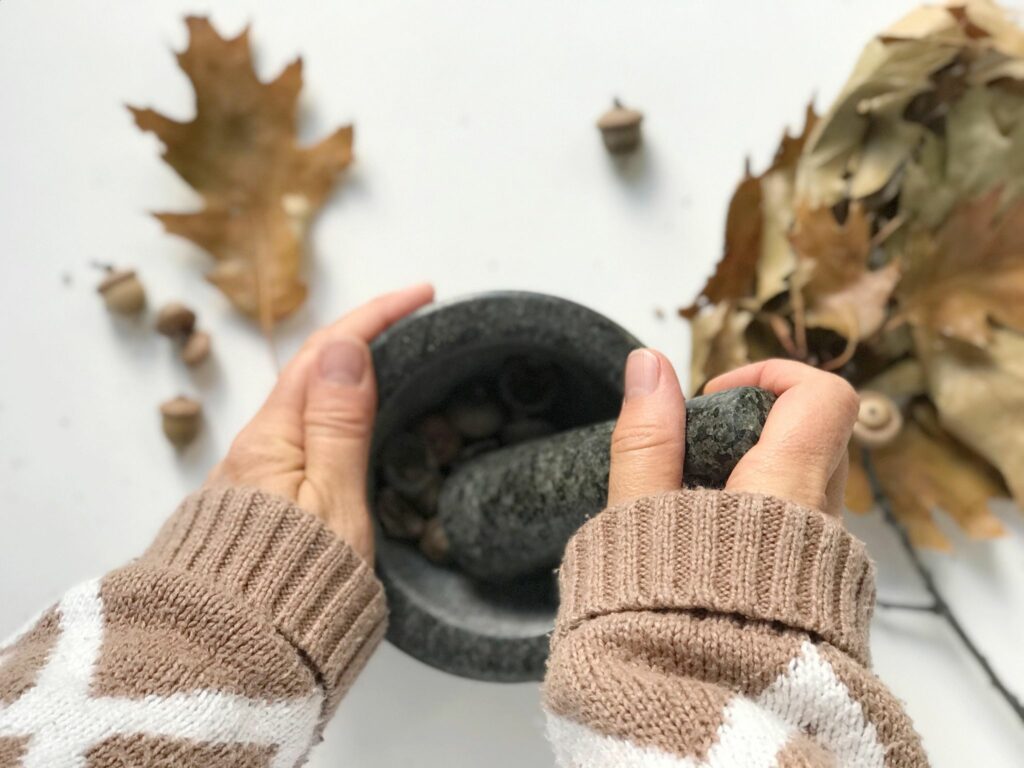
310,441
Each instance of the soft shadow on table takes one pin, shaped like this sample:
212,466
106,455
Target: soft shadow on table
433,720
637,174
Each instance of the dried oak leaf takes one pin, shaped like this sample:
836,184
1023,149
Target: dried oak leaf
970,274
862,141
924,468
907,79
719,342
984,19
841,293
902,380
979,149
859,497
979,394
259,188
736,274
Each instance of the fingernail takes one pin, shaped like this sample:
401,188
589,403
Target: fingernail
643,369
343,362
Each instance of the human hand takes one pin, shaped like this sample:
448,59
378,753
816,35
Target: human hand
310,440
801,455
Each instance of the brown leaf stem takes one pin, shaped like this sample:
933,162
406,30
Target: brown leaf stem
799,322
781,330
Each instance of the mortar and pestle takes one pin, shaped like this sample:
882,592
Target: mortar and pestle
507,513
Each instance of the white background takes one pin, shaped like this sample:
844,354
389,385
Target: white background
478,167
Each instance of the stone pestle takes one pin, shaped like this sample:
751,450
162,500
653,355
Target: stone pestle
510,513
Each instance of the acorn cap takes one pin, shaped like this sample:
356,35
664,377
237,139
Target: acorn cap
619,117
114,277
181,407
879,419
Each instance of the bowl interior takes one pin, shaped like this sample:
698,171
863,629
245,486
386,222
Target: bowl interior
517,608
439,614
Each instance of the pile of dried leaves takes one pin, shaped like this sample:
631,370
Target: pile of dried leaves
886,243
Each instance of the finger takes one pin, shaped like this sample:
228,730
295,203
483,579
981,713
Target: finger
774,375
648,441
365,323
377,315
805,436
835,493
341,399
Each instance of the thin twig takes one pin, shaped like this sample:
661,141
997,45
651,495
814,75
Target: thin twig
940,606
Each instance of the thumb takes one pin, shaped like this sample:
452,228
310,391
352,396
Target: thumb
341,398
648,441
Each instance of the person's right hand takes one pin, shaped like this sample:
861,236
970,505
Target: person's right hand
801,455
310,441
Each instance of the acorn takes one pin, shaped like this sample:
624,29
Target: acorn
181,417
878,420
528,386
442,439
122,292
175,320
620,128
398,517
407,464
196,348
474,413
434,541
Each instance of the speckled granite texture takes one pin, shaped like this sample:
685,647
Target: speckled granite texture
479,627
511,512
439,614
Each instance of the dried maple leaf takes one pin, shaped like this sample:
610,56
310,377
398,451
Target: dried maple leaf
840,291
970,274
924,468
259,188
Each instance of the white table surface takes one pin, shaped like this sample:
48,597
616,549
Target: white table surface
478,168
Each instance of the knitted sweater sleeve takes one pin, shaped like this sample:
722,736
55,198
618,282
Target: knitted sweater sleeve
704,628
227,644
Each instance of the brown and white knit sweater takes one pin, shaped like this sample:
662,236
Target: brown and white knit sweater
715,630
696,629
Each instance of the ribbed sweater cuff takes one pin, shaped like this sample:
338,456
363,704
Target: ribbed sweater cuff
285,564
743,554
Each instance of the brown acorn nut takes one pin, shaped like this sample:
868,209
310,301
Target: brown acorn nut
434,541
620,129
181,417
528,386
196,348
122,292
175,320
878,421
442,439
474,413
398,517
407,464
